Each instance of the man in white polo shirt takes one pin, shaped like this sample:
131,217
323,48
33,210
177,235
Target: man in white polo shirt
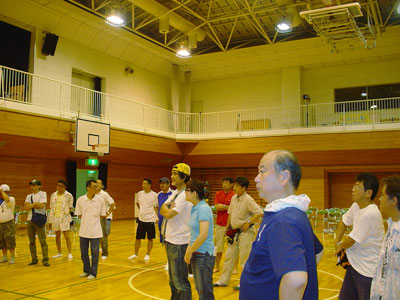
177,210
147,202
91,208
105,222
364,242
37,201
7,224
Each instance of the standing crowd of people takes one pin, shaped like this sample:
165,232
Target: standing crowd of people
278,262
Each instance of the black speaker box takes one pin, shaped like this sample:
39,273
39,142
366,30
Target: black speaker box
50,44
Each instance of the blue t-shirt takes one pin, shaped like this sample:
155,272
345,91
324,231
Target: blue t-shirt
202,212
284,243
162,197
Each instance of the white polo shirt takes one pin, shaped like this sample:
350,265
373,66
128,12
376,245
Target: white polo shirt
39,197
368,232
108,201
7,213
90,210
147,202
178,231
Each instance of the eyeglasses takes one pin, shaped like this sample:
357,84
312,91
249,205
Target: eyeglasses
358,187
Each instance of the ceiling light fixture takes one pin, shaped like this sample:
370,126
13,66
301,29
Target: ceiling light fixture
285,24
115,18
183,50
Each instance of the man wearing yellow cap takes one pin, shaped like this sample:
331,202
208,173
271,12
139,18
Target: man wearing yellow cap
176,211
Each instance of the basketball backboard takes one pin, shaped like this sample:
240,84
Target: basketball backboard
93,137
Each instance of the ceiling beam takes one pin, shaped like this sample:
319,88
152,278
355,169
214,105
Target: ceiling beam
391,12
257,26
230,35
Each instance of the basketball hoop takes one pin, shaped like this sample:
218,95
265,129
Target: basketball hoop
100,149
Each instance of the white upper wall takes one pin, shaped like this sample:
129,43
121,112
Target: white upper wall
93,47
319,83
251,91
264,90
142,86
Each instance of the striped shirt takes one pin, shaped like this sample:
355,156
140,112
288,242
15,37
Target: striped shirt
386,284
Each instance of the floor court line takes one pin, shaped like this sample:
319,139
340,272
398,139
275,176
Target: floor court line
24,296
97,279
138,291
154,297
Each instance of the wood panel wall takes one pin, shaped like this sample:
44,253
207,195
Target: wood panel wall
214,178
17,172
38,147
312,182
341,183
126,180
123,180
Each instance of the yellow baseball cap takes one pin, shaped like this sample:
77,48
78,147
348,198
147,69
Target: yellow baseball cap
181,167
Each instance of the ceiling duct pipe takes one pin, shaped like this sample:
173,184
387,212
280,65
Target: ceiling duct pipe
292,11
164,25
192,40
175,20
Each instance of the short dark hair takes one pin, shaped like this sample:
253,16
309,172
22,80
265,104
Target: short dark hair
149,181
286,160
230,179
370,182
393,187
184,176
242,181
89,182
196,186
62,181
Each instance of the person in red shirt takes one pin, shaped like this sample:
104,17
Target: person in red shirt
222,201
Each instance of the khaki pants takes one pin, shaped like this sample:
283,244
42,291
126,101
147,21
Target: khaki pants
219,238
241,248
41,232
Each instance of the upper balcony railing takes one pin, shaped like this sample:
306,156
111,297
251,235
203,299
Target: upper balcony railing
29,92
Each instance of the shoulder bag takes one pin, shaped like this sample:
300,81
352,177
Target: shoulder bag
37,219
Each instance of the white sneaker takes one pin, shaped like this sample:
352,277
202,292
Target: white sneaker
166,267
57,255
91,277
147,257
84,274
132,256
70,256
104,257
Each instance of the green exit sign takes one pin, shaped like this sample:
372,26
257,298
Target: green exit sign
94,162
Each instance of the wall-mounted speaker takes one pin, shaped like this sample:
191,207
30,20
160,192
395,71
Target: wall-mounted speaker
50,44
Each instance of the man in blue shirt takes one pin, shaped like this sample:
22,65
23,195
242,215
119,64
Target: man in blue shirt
162,197
282,261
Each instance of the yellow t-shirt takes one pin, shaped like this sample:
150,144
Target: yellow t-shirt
57,213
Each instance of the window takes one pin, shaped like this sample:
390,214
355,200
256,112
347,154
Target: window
368,93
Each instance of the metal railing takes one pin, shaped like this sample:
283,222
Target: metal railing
29,92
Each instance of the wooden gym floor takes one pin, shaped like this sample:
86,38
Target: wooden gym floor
118,277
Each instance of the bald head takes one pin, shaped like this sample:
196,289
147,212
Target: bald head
278,175
285,160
